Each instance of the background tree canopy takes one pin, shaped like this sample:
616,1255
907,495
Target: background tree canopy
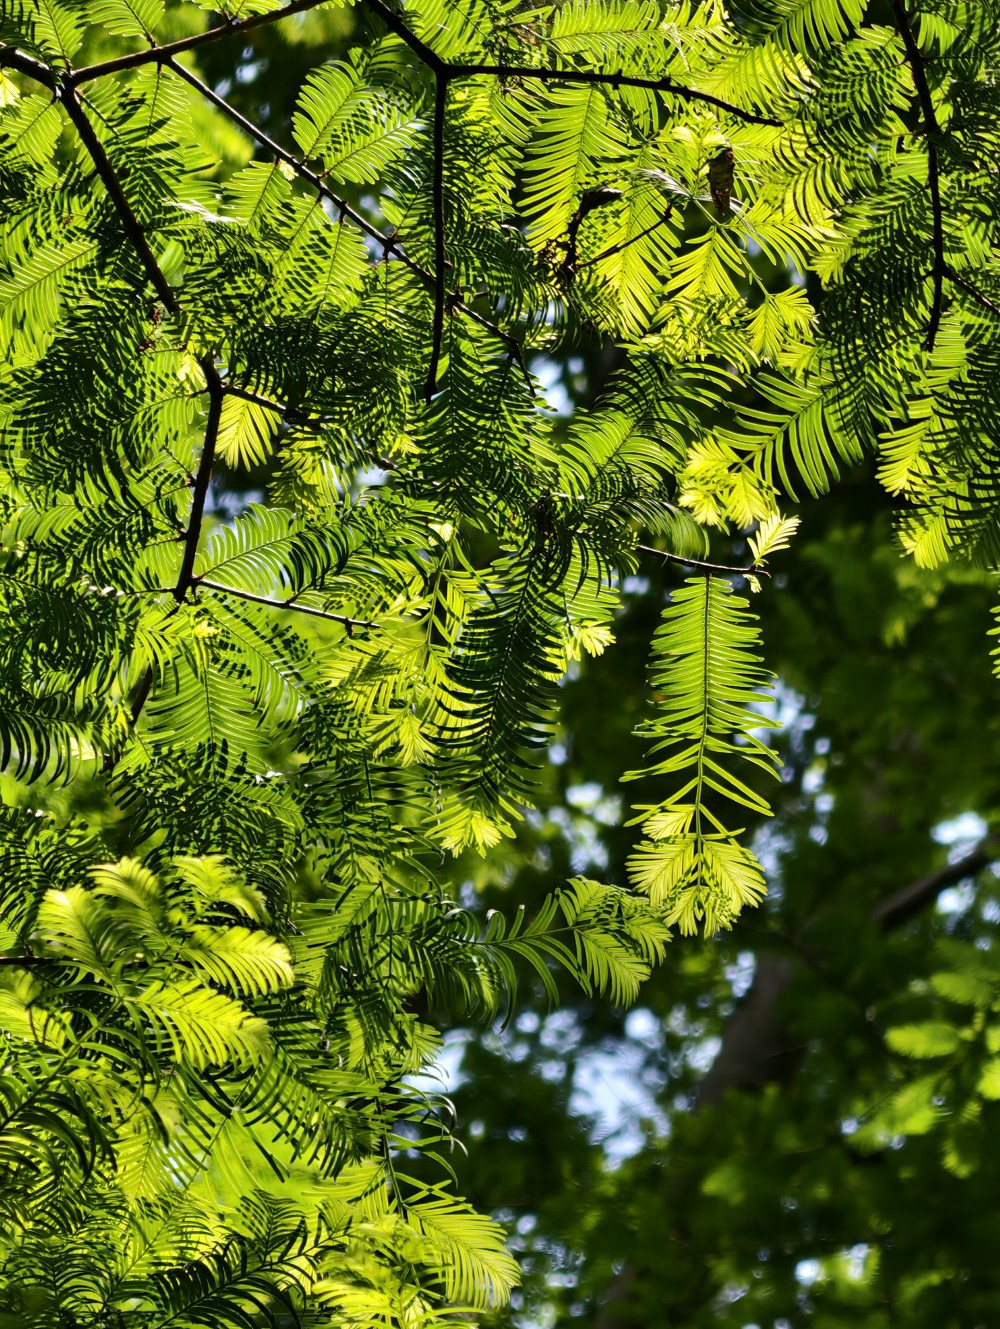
403,411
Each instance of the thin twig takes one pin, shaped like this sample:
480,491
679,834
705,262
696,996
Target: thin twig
161,54
342,619
390,244
513,345
294,416
754,570
286,412
617,249
932,133
130,223
665,84
974,291
440,256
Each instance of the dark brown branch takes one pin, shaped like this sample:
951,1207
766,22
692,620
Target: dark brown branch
974,291
141,694
419,48
757,1048
135,233
26,960
907,902
440,256
27,65
286,412
665,84
753,570
932,132
130,223
442,68
292,603
202,480
160,54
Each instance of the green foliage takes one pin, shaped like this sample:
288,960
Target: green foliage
296,564
709,677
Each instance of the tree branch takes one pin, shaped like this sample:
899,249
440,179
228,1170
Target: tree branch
342,619
286,412
135,233
130,223
141,694
216,391
665,84
932,132
390,244
294,416
512,344
442,68
753,570
161,54
757,1048
27,65
974,291
907,902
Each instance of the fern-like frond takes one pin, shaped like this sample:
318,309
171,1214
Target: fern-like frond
708,681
